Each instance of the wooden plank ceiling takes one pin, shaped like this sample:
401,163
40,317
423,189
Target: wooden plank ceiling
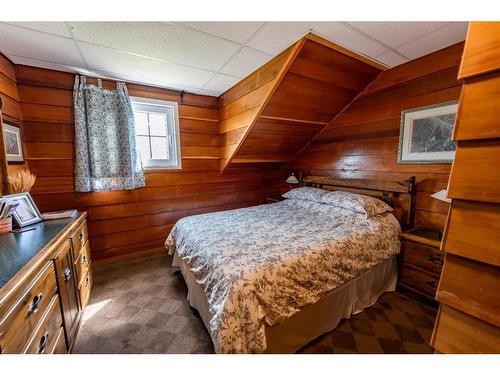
271,115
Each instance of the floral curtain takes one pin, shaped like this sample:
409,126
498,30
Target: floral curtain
106,154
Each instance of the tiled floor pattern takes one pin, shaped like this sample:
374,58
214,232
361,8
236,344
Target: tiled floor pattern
139,306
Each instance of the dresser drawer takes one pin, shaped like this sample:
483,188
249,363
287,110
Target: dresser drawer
60,344
459,333
83,262
420,280
86,287
79,239
423,256
18,324
45,337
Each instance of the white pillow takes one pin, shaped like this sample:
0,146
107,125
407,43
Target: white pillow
306,194
364,204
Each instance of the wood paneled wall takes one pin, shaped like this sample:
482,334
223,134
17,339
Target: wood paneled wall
127,222
468,320
271,115
362,142
11,110
242,103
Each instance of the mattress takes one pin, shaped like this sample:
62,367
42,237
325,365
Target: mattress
259,266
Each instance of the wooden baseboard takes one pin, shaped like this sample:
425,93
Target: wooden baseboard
130,256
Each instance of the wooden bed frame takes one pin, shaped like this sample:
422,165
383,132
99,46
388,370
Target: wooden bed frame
400,195
314,320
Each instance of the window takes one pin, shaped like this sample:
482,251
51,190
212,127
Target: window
157,132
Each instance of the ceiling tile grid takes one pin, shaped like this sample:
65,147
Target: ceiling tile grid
205,57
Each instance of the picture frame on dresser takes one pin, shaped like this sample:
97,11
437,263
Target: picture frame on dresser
26,213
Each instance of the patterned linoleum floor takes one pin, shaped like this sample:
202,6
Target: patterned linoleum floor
140,306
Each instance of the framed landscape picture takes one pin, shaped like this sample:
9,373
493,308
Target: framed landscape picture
425,134
13,143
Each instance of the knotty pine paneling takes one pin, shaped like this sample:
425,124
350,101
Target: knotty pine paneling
362,142
122,223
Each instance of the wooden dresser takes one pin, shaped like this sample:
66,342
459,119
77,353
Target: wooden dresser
469,289
420,264
45,283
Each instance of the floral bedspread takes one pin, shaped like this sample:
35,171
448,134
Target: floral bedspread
260,265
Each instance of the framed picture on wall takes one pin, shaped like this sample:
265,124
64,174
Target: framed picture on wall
13,143
425,134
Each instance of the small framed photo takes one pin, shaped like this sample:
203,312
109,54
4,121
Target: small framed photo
13,143
425,134
26,212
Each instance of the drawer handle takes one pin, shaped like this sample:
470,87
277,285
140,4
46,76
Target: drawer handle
81,236
436,260
433,284
67,274
43,343
84,260
35,304
87,280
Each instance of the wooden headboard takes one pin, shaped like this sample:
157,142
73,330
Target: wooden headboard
400,195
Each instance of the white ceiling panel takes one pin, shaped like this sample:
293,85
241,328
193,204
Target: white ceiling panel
245,62
205,57
342,34
48,65
221,82
396,33
391,59
129,66
57,28
238,32
443,37
161,40
274,37
32,44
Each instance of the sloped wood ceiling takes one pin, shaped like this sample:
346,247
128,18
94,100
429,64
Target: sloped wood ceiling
270,116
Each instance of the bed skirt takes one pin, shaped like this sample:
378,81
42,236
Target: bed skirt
315,319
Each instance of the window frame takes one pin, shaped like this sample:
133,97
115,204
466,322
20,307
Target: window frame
173,131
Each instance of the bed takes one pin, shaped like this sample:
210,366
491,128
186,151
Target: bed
271,278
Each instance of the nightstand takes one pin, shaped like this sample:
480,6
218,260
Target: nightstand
273,199
420,264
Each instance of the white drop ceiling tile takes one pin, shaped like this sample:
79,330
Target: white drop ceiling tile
57,28
391,59
32,44
342,34
397,33
238,32
245,62
221,82
47,65
161,40
275,37
446,36
208,92
125,65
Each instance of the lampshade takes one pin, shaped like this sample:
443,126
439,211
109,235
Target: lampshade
292,179
441,195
